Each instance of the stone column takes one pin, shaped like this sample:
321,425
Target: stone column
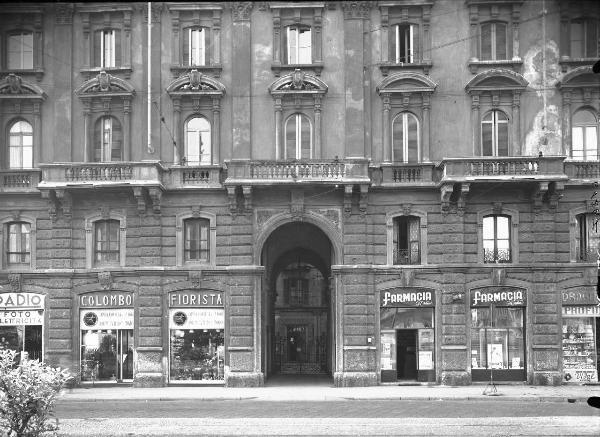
426,127
216,39
37,134
356,15
516,117
476,122
566,124
474,32
515,37
317,151
216,131
127,129
241,80
387,141
86,133
62,74
278,125
178,149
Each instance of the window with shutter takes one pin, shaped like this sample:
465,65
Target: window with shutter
584,136
106,242
298,137
496,239
588,238
198,141
405,138
20,51
493,41
195,47
494,134
108,140
20,145
18,247
404,43
406,240
298,45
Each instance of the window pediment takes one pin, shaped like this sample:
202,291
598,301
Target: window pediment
406,82
298,82
496,80
105,85
195,83
579,77
14,87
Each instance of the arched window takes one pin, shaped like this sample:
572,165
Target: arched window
584,138
108,140
197,141
494,134
496,239
20,51
20,145
299,45
197,239
298,137
405,138
493,41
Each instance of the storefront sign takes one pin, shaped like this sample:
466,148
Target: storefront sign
21,300
500,296
200,318
21,317
106,299
580,296
408,297
191,298
106,319
580,375
581,311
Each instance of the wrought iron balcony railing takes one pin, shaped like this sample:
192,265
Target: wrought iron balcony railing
303,171
406,257
503,168
399,174
19,181
193,176
496,256
587,255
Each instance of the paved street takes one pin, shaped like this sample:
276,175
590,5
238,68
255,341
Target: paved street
253,417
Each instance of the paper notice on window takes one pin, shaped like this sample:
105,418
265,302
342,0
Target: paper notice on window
494,352
425,360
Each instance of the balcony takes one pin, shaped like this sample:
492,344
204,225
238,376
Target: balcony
400,174
101,174
494,169
344,171
19,181
583,170
190,177
406,257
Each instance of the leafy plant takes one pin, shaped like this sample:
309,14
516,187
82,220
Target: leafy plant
28,391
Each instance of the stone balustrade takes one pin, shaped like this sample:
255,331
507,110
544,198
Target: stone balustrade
502,168
22,180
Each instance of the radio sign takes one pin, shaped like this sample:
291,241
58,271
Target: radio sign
407,297
21,300
106,300
500,296
195,299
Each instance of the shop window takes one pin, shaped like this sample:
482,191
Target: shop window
494,134
20,145
25,339
108,140
584,136
497,340
20,51
493,41
405,131
587,240
197,240
18,244
584,38
403,43
496,239
107,48
197,141
106,242
298,45
194,46
407,240
298,137
580,343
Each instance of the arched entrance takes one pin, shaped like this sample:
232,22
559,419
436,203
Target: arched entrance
297,317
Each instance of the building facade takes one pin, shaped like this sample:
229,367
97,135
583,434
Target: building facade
381,191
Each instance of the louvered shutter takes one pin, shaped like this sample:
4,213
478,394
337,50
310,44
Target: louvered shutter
118,55
186,47
97,50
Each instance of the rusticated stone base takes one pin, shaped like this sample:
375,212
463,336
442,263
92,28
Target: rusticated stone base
354,379
547,378
244,379
148,380
455,378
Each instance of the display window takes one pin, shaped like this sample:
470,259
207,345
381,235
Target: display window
22,324
579,346
497,340
196,337
407,335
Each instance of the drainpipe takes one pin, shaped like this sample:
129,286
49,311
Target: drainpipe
149,95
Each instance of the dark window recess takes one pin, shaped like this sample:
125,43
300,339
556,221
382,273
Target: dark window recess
407,240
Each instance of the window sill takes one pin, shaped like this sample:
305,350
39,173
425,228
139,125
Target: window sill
277,68
386,67
515,64
37,72
566,62
214,70
126,71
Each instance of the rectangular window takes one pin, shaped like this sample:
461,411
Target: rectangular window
493,41
407,240
299,45
106,242
107,48
19,244
20,51
496,239
587,240
196,240
403,43
584,38
196,47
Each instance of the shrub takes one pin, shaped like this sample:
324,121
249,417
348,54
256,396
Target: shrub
28,391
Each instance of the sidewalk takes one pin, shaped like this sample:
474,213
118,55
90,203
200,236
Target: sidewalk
329,393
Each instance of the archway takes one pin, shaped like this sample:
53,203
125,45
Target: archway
297,311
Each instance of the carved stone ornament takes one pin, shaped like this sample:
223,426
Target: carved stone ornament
63,12
103,81
15,282
498,276
241,11
195,278
355,10
195,79
298,83
14,84
105,280
407,277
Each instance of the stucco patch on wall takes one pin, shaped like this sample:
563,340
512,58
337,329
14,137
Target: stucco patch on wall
533,63
546,139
